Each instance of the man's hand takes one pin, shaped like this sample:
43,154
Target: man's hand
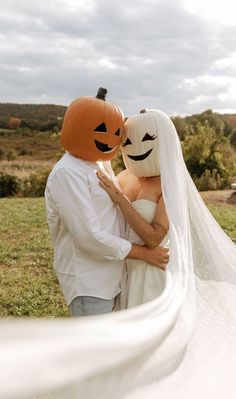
158,257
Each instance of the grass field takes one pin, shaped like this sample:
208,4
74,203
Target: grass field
31,146
28,286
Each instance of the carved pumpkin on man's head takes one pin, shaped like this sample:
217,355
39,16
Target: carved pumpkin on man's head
92,128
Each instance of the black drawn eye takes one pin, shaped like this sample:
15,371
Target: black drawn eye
101,128
117,133
149,137
127,142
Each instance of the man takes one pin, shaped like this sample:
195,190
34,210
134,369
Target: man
85,226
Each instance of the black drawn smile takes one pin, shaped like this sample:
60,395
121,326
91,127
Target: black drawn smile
140,157
103,147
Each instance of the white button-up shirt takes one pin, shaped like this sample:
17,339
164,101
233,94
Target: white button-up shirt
86,229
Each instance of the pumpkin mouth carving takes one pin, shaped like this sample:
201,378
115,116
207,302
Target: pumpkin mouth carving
104,147
140,157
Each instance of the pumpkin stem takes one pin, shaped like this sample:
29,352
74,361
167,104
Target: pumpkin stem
143,111
101,94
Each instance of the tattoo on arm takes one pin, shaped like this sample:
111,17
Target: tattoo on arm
159,227
160,233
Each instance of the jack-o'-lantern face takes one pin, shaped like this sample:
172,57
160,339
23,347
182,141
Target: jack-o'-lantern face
92,129
140,145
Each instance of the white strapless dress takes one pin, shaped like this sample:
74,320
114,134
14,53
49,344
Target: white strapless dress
141,282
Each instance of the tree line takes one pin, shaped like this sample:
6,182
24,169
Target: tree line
208,139
42,117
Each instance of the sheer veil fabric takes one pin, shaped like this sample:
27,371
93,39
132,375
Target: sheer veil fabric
180,345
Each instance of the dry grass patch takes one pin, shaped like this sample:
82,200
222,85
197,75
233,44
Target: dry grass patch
24,168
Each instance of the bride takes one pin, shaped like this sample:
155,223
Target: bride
141,202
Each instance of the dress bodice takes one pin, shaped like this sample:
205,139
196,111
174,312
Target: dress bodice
141,282
146,208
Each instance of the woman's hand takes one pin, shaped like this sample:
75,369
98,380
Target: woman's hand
108,185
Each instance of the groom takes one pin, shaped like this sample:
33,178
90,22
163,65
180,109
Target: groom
85,226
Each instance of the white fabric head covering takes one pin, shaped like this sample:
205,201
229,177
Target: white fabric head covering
140,148
118,355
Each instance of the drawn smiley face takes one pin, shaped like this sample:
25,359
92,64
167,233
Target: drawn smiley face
140,157
92,129
140,148
105,147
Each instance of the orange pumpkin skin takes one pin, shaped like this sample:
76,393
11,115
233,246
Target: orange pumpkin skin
83,131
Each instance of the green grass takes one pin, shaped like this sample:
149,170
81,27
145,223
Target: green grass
226,217
28,285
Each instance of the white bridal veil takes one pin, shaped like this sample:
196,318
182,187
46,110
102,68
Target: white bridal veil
180,345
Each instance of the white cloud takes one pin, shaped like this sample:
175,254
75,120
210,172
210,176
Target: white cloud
216,11
148,54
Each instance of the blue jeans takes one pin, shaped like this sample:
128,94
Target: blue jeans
89,305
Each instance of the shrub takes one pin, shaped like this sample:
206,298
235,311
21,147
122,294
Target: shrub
14,122
201,152
2,154
34,185
11,155
9,185
211,180
181,126
25,151
117,163
232,138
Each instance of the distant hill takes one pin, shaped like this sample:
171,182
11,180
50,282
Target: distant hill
35,116
29,110
44,117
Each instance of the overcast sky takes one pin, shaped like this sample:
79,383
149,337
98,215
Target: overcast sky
178,56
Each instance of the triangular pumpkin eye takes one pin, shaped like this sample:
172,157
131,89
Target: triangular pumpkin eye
101,128
148,137
127,142
117,133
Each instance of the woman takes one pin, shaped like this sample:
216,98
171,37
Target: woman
141,202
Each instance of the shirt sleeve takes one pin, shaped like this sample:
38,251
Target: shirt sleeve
71,196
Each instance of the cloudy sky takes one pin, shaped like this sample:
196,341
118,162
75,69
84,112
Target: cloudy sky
175,55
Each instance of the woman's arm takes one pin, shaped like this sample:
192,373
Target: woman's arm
151,234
